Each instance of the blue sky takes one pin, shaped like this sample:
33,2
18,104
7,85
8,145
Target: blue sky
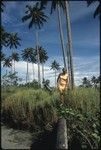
85,38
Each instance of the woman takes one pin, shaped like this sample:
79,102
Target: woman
62,83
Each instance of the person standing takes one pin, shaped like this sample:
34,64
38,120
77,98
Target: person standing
62,83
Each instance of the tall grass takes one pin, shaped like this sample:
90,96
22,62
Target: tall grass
34,109
30,108
84,99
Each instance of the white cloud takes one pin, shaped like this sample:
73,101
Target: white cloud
83,67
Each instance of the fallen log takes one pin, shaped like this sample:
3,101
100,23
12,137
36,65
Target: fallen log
62,142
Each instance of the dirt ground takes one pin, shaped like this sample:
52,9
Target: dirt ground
15,139
18,139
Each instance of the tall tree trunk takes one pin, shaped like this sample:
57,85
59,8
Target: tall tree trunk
27,73
42,73
38,59
55,78
68,62
14,66
61,34
69,43
12,62
33,70
6,71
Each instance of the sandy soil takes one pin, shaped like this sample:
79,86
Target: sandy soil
18,139
15,139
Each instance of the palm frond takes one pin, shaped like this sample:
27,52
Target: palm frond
97,11
89,2
26,17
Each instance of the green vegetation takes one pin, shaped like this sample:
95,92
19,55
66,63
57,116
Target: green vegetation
84,99
30,108
82,113
38,110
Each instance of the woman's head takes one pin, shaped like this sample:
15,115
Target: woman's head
64,70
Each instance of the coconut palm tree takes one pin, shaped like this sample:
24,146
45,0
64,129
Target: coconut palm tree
7,63
2,56
26,55
2,6
69,47
33,60
13,43
55,66
56,5
65,7
94,80
99,79
15,57
37,17
61,35
86,82
4,37
98,9
43,58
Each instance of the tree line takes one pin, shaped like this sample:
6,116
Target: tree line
93,82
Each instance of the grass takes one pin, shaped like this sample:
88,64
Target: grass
87,100
30,108
38,110
39,107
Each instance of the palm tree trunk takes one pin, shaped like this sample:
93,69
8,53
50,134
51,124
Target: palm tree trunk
69,43
27,73
42,73
6,71
33,70
55,78
68,59
61,35
38,59
14,66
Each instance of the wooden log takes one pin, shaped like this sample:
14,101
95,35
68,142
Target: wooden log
62,142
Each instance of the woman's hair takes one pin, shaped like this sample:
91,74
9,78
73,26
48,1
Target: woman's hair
64,70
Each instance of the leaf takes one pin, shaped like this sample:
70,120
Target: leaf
96,136
94,125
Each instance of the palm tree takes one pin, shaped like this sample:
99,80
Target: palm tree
98,9
7,63
69,47
26,55
94,80
61,35
2,56
43,58
33,61
99,79
55,66
37,18
2,6
64,6
56,5
15,57
13,42
86,82
4,37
